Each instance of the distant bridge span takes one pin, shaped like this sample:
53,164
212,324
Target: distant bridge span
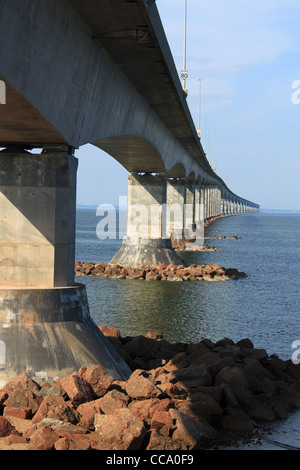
78,72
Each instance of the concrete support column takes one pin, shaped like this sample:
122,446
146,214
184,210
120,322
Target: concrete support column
37,217
176,197
45,327
189,212
148,241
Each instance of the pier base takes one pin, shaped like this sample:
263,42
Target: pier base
136,252
48,333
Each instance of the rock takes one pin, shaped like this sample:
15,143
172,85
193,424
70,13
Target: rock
21,413
87,412
23,381
97,379
77,389
193,376
234,377
112,401
56,408
14,439
110,332
44,438
263,412
61,428
192,433
236,421
120,431
141,409
160,442
26,399
68,444
139,387
162,421
6,428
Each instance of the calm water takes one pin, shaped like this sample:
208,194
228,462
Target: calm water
263,307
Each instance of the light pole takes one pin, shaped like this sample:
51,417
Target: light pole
184,72
199,116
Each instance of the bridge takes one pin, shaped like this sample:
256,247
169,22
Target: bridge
98,72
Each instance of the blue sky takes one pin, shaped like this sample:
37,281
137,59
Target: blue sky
247,55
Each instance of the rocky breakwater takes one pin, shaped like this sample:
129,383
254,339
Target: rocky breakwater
211,272
179,397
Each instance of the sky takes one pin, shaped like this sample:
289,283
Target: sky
247,55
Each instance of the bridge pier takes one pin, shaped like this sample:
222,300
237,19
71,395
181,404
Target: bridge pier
45,326
147,240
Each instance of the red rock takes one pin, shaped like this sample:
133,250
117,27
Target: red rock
87,412
192,433
4,394
162,421
21,413
120,431
44,438
22,398
97,379
112,401
110,332
6,428
139,387
159,442
77,389
154,335
14,439
23,381
56,408
176,391
142,409
66,443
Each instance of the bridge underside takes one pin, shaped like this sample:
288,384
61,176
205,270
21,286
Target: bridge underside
98,72
23,125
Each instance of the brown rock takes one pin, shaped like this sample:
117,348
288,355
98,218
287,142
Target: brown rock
87,412
110,332
159,442
193,376
4,394
23,381
44,438
121,431
236,421
98,380
234,377
112,401
77,389
66,443
139,387
22,413
22,398
161,421
56,408
14,439
6,428
141,408
194,434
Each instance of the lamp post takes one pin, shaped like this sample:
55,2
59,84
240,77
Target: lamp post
199,115
184,72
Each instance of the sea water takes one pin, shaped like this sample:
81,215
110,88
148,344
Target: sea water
264,306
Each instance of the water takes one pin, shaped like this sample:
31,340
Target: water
263,307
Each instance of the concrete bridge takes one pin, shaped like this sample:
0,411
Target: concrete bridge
99,72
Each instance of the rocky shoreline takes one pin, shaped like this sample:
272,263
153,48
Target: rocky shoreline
179,397
211,272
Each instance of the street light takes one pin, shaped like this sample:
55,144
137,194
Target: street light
184,72
199,115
